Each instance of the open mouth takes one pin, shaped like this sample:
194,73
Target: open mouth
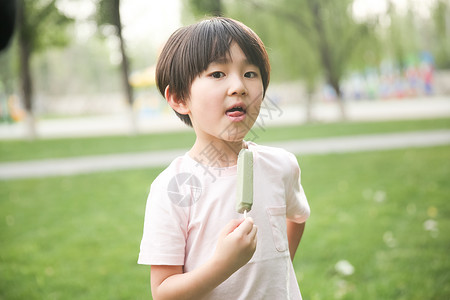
236,113
236,110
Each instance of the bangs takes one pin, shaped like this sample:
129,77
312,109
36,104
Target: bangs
211,41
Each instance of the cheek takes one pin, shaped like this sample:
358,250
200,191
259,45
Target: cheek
208,101
257,98
254,110
256,91
206,108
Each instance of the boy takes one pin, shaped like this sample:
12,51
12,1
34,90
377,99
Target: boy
214,74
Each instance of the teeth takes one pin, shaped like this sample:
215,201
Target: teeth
236,108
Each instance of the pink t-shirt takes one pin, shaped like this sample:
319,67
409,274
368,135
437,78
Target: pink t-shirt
189,204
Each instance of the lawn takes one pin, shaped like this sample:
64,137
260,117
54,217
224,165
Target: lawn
386,213
16,150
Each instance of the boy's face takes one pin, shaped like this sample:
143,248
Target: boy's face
225,99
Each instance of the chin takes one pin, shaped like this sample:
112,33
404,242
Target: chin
235,132
233,139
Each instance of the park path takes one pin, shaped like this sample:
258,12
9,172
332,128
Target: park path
271,115
99,163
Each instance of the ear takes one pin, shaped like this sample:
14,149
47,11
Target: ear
177,105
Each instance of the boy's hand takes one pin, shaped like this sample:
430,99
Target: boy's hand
236,244
235,247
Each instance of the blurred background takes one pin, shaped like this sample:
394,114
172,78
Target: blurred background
87,66
360,92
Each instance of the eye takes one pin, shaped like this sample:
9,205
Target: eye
217,75
251,74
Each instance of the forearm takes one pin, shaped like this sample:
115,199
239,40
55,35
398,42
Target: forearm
235,247
294,234
194,284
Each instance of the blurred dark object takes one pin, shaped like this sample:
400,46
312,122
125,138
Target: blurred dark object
7,21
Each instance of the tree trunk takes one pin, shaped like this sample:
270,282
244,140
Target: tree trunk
216,8
309,102
125,70
332,77
340,100
25,73
326,57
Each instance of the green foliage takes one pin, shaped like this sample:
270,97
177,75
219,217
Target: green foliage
202,8
408,34
86,69
441,20
45,26
8,60
107,11
290,55
312,38
401,42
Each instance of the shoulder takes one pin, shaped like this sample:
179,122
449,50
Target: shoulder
167,191
276,155
275,161
178,166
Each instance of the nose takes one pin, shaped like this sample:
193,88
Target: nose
237,86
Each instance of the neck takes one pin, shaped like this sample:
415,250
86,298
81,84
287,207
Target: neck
216,153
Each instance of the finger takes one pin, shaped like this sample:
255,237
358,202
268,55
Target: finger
254,232
254,235
245,227
230,227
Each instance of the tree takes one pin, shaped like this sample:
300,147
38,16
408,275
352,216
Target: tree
402,35
328,30
108,13
441,18
40,25
200,8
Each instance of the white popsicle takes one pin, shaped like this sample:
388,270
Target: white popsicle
245,181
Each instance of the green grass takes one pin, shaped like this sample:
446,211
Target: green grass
321,130
73,237
370,209
78,237
56,148
17,150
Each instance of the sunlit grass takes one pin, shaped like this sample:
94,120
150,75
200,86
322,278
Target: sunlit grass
56,148
73,237
16,150
386,213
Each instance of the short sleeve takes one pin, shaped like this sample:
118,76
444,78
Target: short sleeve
165,228
297,207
